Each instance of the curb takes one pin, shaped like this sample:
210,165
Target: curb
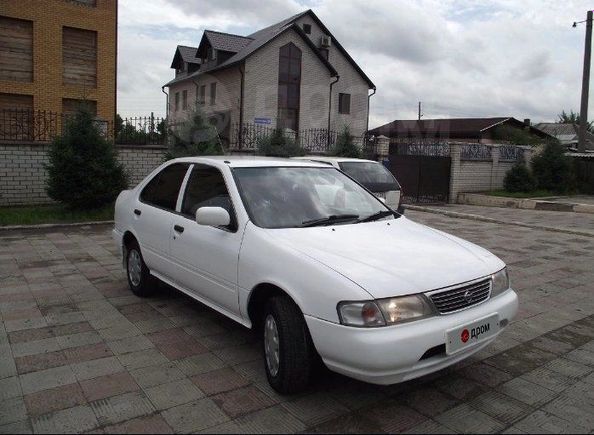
49,226
476,217
523,203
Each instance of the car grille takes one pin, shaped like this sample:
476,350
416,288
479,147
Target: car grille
462,297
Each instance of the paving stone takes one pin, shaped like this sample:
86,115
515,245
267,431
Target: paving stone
501,407
27,323
174,393
181,349
98,367
314,408
271,420
460,388
194,416
554,381
151,376
198,364
75,355
429,401
465,419
128,345
120,408
7,365
20,427
46,379
168,336
9,388
142,358
242,401
42,361
568,368
54,399
119,332
78,340
485,374
575,410
239,354
12,410
581,356
107,386
35,347
526,392
149,424
30,335
72,420
520,359
429,427
543,422
218,381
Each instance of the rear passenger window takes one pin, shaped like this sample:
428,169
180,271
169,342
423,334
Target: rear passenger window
162,191
206,188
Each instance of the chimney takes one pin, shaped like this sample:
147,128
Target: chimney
527,123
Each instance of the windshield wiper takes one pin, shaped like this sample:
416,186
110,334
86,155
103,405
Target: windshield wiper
379,215
329,220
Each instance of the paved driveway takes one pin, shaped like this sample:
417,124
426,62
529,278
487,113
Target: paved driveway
79,353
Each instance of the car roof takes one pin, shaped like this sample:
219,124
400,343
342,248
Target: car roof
249,161
333,159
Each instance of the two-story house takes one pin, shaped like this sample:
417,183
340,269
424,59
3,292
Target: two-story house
293,74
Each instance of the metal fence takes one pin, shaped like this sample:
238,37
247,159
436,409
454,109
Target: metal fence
246,137
29,125
140,130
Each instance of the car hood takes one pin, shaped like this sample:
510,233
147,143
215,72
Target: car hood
392,257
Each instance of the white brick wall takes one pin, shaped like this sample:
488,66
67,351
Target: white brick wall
22,172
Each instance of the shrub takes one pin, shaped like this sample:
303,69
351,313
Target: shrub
345,146
278,144
83,171
194,137
519,179
553,170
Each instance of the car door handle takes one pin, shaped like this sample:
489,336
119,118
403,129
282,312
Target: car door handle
137,212
178,228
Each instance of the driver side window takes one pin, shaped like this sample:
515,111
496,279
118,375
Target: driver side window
206,188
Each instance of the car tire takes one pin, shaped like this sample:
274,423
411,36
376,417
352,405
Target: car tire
140,280
290,371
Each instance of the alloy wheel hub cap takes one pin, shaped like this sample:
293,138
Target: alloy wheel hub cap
271,345
134,267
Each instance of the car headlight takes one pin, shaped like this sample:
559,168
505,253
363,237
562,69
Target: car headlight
384,311
500,282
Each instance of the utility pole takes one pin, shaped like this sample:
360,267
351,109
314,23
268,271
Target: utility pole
585,85
420,111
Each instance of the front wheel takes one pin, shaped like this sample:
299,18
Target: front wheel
288,350
140,280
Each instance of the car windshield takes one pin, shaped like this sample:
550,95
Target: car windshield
286,197
374,176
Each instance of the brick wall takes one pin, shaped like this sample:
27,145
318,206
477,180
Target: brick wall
49,17
22,173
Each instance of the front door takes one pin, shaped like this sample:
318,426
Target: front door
206,257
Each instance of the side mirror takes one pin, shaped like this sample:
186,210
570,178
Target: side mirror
400,209
213,216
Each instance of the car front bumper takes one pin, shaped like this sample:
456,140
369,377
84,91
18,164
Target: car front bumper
393,354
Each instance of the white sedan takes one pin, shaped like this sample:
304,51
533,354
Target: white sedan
316,263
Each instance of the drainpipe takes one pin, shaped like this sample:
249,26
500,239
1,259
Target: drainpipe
330,108
241,90
367,123
166,114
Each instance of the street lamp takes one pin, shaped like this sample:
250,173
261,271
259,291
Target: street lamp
585,82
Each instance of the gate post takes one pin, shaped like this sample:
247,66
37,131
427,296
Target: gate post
454,172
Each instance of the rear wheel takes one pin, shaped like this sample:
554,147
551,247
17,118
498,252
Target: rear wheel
288,350
140,280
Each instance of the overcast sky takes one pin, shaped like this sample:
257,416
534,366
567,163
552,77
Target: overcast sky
464,58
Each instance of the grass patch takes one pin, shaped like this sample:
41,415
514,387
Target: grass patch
533,194
52,214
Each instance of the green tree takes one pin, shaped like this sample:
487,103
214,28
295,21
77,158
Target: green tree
278,144
345,146
572,118
194,137
553,170
519,179
83,170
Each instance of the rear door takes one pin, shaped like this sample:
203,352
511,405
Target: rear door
206,257
153,214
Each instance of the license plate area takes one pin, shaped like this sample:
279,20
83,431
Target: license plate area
469,334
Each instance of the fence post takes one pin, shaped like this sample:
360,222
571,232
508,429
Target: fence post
494,164
455,149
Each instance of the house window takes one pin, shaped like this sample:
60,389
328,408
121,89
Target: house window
70,106
176,101
79,57
325,53
307,29
184,100
213,94
289,86
344,103
202,95
16,50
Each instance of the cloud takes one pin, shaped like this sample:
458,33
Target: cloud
471,58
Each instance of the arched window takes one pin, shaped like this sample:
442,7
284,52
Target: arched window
289,86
